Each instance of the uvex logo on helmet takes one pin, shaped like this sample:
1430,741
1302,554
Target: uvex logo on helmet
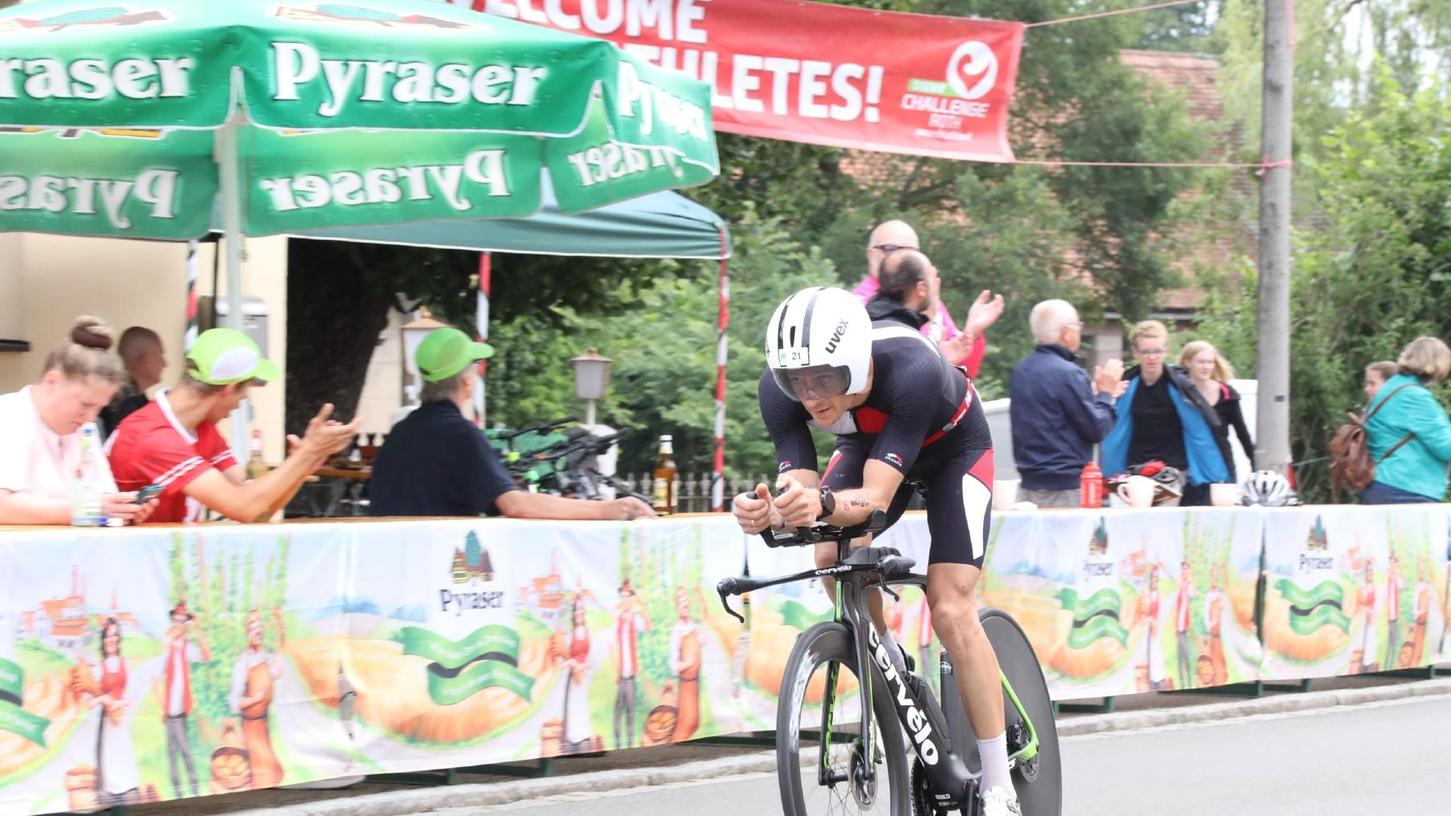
836,336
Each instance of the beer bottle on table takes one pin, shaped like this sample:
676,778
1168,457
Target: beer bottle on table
663,493
256,467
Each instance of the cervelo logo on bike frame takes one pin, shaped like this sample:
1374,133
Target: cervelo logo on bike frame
836,336
917,725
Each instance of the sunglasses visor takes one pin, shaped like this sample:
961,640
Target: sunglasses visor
814,383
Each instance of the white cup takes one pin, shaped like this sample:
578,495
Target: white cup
1224,494
1138,491
1005,493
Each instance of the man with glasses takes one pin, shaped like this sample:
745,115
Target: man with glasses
961,347
1058,412
1163,417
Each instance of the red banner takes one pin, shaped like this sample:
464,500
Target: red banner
817,73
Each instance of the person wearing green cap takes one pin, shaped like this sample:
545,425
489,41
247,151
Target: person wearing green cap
436,462
173,442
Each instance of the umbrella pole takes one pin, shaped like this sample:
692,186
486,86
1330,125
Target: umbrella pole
229,164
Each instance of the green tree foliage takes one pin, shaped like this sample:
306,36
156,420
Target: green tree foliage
664,351
1374,271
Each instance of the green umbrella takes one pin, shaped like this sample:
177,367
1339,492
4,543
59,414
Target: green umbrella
129,120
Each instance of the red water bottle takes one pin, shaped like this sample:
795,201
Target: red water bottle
1090,484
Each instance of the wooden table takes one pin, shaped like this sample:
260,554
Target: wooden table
341,483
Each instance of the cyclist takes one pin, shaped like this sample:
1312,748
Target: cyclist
902,416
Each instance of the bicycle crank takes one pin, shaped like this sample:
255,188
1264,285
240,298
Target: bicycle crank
923,802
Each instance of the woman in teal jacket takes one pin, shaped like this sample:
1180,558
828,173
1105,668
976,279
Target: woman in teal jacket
1410,437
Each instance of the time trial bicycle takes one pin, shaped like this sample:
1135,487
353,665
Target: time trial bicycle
908,754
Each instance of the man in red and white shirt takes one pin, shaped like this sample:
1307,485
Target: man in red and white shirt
173,442
629,623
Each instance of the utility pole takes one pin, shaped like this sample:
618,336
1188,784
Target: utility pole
1272,436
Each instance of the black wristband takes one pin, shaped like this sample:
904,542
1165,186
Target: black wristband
828,503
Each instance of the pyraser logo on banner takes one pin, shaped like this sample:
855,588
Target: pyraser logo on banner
488,656
917,84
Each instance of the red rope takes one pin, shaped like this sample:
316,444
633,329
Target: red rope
1112,13
1260,167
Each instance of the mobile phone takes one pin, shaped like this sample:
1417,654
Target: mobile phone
148,493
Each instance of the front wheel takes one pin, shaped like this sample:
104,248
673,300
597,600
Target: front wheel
818,727
1039,783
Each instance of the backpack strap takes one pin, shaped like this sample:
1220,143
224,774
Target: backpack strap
1381,404
1378,406
1394,448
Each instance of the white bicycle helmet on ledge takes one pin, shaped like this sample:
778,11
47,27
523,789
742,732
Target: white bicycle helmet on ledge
1267,488
819,344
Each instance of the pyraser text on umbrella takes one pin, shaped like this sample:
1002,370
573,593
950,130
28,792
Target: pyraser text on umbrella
387,185
299,65
95,78
156,188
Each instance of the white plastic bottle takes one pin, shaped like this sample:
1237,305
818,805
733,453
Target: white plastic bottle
86,509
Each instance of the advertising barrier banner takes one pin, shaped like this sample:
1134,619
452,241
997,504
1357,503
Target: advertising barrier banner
818,73
151,664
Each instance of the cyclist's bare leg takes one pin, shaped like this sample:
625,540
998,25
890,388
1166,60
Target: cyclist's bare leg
952,599
826,556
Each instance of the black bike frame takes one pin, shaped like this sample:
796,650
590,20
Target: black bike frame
951,782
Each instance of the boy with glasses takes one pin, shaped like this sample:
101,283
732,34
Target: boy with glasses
1163,417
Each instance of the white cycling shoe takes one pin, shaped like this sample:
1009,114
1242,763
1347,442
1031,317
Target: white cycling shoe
1000,802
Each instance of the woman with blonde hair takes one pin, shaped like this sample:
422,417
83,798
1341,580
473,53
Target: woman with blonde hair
41,428
1408,436
1211,373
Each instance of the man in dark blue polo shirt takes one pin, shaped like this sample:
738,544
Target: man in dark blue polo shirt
436,463
1058,412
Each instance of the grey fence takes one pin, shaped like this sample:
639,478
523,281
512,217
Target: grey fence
692,490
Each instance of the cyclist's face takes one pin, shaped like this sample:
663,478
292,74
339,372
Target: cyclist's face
826,411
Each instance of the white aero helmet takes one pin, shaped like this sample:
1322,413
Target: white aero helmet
1267,489
819,344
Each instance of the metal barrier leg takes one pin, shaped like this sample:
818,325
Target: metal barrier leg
1106,707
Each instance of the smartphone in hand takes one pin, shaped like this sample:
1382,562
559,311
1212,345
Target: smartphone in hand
148,493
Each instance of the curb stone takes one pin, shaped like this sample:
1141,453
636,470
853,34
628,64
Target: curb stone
451,798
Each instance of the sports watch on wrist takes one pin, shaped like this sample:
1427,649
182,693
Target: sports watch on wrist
828,503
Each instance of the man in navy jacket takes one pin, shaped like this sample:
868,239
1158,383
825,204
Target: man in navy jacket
1058,412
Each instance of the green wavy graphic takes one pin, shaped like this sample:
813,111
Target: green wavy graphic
448,687
1094,617
1323,592
497,641
1104,624
486,658
1315,608
13,718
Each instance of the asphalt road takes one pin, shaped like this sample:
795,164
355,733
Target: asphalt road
1379,758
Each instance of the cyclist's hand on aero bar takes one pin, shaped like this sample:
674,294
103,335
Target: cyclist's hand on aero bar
798,505
754,511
